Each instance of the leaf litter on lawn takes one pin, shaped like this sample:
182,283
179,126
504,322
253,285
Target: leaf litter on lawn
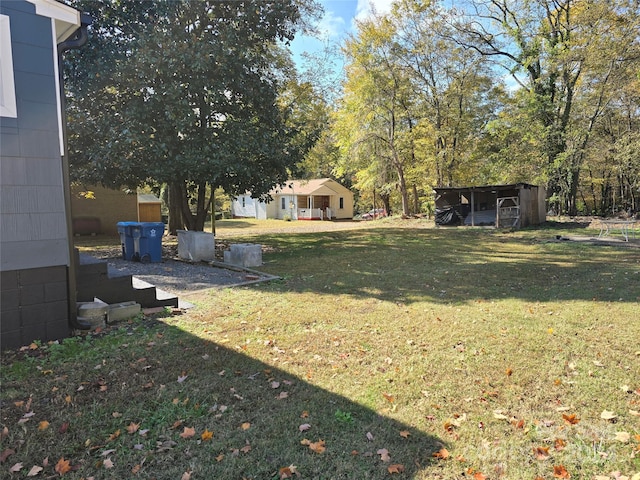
475,342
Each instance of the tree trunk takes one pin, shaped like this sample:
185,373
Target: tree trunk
175,208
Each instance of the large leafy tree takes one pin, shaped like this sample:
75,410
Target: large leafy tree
375,121
563,54
185,93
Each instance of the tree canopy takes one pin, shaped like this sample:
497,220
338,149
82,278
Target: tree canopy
495,91
186,93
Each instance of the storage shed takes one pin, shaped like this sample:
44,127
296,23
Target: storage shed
149,208
101,212
514,205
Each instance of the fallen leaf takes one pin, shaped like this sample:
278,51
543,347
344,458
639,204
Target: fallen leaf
6,453
108,463
246,448
282,395
288,472
35,470
186,475
370,436
106,453
17,467
188,432
64,427
571,419
63,466
304,414
133,428
541,453
384,455
509,372
304,427
275,385
114,435
246,426
405,433
623,437
607,415
442,454
318,447
206,435
182,378
136,468
479,476
499,415
388,397
560,472
395,468
559,444
220,457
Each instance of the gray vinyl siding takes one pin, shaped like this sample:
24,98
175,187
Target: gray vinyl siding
32,211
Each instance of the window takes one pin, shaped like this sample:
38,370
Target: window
283,204
7,86
341,203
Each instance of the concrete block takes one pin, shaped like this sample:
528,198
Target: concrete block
93,314
123,311
244,255
196,246
93,309
94,322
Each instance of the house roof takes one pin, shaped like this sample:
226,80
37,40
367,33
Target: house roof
316,186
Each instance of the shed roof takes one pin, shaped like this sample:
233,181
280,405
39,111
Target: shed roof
148,198
484,188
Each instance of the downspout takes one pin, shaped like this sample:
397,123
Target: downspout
77,40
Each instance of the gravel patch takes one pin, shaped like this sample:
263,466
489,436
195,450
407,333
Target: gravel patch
180,277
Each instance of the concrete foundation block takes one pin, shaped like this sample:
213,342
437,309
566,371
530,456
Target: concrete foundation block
122,311
244,255
196,246
93,313
94,322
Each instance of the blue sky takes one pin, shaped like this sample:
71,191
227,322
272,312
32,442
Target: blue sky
338,22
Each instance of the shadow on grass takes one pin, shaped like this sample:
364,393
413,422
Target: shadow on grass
453,265
165,382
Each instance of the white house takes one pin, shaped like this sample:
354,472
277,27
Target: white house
317,199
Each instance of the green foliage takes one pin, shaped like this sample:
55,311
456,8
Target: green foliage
186,93
344,417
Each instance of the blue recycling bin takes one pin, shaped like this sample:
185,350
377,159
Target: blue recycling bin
147,241
126,239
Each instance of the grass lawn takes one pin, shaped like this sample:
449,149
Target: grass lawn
391,351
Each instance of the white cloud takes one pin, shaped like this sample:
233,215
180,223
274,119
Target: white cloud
331,26
366,7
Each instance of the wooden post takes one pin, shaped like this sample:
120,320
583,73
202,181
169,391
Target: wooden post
473,208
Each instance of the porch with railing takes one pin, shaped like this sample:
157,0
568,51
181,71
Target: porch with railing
314,214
